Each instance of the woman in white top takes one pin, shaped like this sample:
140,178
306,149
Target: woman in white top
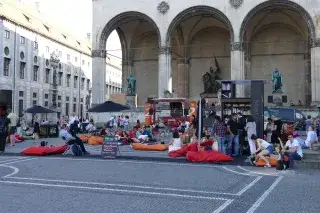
251,129
311,137
264,149
176,143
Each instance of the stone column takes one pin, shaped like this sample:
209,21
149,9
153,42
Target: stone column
98,76
237,66
164,67
126,71
182,78
315,75
308,78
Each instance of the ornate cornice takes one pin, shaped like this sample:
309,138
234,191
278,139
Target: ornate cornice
236,3
164,50
98,53
236,46
163,7
315,42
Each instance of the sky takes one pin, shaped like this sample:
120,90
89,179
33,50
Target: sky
75,15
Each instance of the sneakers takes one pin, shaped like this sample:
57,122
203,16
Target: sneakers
267,166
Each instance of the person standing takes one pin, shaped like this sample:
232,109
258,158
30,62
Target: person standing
4,122
233,141
13,126
251,129
220,132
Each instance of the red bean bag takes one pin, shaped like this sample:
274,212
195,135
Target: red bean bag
179,153
208,156
207,143
193,147
43,151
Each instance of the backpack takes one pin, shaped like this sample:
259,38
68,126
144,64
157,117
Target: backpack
76,150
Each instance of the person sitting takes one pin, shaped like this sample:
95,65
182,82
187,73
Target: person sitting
311,137
176,143
263,149
138,125
142,134
64,133
91,128
292,149
132,137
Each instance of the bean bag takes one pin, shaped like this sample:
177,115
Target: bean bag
272,159
207,143
84,137
43,151
193,147
208,156
153,147
95,140
179,153
18,138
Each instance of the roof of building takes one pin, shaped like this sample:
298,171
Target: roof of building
28,17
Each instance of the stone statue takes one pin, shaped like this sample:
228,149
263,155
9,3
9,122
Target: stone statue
277,81
210,83
131,85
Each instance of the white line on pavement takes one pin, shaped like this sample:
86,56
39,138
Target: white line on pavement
223,206
18,161
15,170
114,190
123,185
249,186
258,173
238,173
9,160
255,206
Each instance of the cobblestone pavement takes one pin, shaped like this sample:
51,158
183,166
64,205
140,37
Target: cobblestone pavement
68,185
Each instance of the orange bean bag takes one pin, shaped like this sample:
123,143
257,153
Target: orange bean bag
146,147
84,137
272,159
43,150
95,140
208,156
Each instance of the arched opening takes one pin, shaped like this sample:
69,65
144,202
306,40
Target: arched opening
139,38
196,35
277,35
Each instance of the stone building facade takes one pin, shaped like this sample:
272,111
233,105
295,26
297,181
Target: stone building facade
169,45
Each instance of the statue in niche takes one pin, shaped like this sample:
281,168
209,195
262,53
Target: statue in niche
210,79
277,81
131,85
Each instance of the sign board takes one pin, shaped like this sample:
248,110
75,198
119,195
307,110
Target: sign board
110,147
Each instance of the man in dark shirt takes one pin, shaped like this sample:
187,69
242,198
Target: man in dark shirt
241,131
233,141
220,131
4,123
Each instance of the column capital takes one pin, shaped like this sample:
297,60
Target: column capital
99,53
315,42
164,50
236,46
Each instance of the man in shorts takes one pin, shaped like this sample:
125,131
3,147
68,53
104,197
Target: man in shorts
13,126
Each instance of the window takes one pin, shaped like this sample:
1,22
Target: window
82,83
60,78
46,103
75,82
59,97
34,102
75,59
74,108
88,84
7,34
35,45
67,109
20,106
59,104
67,98
88,64
83,62
74,99
34,95
47,49
68,80
35,73
68,57
22,69
60,53
20,93
81,100
22,40
6,65
47,76
46,96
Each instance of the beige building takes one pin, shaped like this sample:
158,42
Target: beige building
169,45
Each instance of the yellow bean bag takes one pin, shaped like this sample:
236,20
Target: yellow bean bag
95,140
146,147
84,137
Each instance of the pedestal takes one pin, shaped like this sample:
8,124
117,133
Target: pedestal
131,100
